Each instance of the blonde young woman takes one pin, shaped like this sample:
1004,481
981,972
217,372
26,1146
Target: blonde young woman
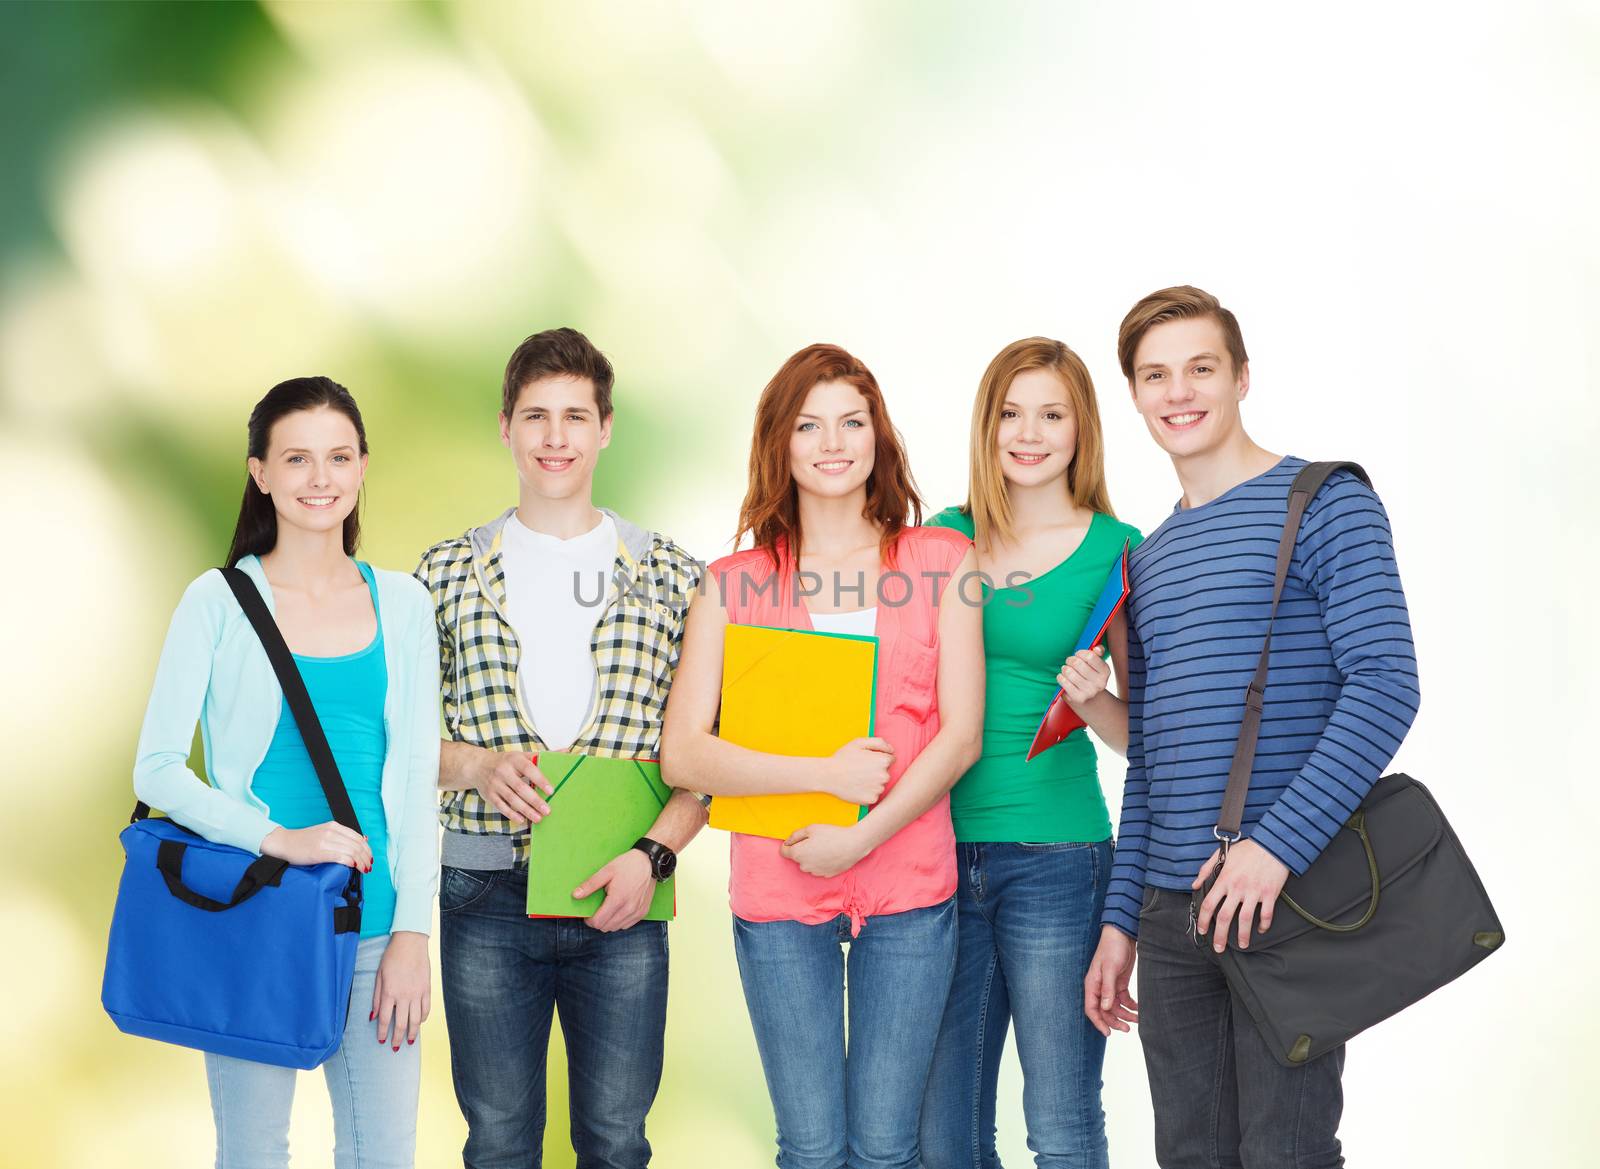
1033,837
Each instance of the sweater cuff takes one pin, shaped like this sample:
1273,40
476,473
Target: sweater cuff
247,828
1280,850
1122,920
413,912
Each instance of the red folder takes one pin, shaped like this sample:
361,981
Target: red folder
1060,720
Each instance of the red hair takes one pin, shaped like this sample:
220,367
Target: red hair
771,509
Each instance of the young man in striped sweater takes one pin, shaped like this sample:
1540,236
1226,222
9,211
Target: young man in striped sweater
1340,696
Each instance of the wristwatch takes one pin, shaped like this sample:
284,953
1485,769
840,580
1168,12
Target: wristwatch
663,861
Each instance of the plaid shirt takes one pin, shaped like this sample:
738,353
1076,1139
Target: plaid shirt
635,645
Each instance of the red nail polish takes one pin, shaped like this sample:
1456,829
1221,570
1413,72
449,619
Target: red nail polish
372,1016
397,1047
409,1042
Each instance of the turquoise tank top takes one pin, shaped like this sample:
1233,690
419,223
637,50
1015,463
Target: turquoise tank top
348,694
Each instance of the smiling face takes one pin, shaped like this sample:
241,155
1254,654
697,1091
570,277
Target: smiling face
1185,387
555,434
832,445
313,469
1038,433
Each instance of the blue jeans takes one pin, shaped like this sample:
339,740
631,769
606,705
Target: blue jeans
1222,1101
503,975
373,1088
1029,922
858,1109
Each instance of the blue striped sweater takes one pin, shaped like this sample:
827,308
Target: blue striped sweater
1340,696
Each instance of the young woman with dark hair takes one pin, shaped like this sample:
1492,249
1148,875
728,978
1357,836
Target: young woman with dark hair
828,501
364,642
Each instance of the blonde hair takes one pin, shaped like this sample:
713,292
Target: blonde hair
987,501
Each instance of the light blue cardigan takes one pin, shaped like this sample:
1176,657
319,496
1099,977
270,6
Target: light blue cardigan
213,668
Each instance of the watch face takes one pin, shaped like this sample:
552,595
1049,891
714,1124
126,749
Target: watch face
665,864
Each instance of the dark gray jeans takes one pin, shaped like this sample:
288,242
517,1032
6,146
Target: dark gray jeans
1221,1100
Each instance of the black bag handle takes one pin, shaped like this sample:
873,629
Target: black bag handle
1304,488
263,871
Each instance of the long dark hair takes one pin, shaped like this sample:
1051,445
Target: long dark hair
257,530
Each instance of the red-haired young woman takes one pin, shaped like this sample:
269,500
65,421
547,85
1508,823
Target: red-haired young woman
828,502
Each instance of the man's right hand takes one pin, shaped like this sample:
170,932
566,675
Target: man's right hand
511,783
1105,988
859,771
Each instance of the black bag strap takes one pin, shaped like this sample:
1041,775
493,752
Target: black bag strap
1301,492
294,691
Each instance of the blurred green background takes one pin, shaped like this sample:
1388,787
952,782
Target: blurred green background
198,200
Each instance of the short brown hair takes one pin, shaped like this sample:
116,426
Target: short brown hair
1182,302
557,353
988,502
771,509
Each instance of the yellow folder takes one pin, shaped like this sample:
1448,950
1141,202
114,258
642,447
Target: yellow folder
793,692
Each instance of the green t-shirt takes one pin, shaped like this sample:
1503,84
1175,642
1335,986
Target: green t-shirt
1027,634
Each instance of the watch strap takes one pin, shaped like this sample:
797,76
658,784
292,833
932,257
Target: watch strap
656,851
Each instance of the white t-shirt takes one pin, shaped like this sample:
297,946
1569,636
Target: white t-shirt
859,622
555,595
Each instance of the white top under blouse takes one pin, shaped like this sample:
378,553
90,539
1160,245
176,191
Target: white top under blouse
857,622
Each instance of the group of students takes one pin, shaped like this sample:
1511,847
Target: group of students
981,890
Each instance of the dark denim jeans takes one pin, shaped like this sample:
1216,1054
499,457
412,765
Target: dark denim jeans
1221,1100
1029,923
503,973
859,1110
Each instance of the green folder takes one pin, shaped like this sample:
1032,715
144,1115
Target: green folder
600,806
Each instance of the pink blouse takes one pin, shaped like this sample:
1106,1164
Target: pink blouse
917,866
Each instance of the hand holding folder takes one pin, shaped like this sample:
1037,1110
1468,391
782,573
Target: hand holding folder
1060,720
599,807
793,692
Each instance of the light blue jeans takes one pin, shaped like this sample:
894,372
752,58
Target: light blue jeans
857,1110
373,1087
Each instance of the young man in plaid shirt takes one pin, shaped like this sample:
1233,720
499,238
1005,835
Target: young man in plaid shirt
559,630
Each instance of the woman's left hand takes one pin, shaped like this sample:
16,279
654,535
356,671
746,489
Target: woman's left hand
400,997
825,850
1084,676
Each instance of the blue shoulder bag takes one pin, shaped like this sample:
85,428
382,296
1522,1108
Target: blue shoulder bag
216,948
